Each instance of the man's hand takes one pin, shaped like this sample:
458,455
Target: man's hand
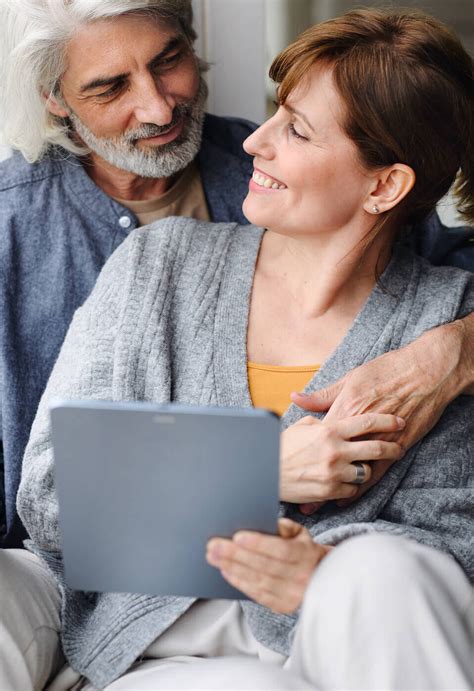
415,383
273,570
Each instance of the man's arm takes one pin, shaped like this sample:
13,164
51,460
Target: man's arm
416,383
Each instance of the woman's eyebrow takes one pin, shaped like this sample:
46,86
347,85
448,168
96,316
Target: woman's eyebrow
173,43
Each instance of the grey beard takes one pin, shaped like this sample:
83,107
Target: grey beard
157,162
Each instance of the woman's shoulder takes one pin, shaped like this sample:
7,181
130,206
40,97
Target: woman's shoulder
180,252
178,230
179,243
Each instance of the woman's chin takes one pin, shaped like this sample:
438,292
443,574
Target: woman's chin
252,214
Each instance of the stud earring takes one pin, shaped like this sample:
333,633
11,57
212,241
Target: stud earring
375,209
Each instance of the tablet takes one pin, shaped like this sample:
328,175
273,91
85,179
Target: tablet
142,487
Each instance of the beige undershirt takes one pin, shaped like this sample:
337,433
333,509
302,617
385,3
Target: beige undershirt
184,198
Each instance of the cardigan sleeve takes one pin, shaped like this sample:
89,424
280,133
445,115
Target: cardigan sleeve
83,370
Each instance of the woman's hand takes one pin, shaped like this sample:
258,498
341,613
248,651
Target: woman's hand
273,570
316,456
416,382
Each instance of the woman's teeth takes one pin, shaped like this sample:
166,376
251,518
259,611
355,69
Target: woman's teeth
263,181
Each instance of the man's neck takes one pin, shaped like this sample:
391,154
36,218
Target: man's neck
121,184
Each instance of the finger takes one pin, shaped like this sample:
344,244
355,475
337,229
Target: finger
232,555
279,601
368,423
288,528
283,549
378,471
350,473
318,401
311,507
371,450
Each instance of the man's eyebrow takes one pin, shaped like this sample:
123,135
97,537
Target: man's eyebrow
173,43
103,81
300,115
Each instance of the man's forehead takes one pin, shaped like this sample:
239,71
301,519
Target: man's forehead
118,45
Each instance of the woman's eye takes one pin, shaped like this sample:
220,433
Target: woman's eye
296,134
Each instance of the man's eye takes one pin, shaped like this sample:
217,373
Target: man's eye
170,61
296,134
114,89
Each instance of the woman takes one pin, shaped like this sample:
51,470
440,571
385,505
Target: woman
374,110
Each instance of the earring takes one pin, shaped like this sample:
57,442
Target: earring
375,209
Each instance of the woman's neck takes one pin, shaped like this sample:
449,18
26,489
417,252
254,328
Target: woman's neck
323,274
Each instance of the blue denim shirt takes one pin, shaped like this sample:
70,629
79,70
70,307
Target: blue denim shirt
57,229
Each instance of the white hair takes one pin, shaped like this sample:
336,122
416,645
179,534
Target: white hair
33,39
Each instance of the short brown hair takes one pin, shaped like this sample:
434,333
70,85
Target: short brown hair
407,85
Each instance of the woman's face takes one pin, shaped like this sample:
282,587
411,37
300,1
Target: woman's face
307,176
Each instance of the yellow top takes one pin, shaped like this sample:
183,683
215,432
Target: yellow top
270,386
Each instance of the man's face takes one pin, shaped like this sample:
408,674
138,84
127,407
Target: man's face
133,93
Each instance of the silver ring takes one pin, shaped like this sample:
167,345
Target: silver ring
361,473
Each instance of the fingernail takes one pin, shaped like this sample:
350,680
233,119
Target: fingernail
214,554
302,394
400,422
214,551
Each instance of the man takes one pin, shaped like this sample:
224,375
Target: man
115,133
138,106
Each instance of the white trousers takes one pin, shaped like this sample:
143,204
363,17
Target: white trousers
380,613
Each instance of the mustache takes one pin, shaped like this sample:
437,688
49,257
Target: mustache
181,111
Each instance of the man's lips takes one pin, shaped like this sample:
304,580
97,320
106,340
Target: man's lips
166,137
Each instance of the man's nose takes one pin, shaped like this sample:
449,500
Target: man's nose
153,103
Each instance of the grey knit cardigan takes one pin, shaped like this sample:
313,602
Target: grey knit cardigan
167,321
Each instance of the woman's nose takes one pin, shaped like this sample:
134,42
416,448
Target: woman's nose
259,143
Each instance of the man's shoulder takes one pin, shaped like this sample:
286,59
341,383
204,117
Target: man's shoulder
443,245
445,290
16,172
227,133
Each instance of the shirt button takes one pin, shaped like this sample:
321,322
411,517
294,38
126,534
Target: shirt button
125,222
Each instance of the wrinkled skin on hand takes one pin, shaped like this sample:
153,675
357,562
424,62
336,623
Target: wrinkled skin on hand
416,383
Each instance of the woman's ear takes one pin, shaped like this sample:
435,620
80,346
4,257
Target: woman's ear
55,106
390,187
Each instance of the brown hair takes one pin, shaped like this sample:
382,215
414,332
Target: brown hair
407,85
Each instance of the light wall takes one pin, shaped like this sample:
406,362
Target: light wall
232,38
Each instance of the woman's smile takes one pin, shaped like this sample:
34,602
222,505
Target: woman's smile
262,182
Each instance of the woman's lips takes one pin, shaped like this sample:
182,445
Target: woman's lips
261,182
